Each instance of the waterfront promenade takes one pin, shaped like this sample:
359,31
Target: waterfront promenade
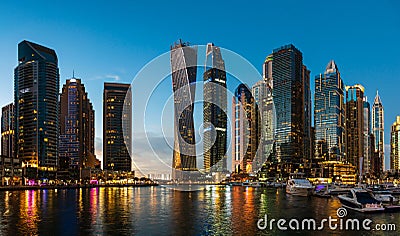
74,186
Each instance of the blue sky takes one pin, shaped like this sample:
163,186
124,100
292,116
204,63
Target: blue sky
105,41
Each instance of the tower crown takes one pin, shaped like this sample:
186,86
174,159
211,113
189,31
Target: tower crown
331,67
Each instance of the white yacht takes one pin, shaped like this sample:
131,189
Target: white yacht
298,185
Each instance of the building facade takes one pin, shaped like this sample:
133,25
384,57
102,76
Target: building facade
7,130
395,145
329,114
184,70
292,105
354,125
307,117
36,88
378,128
375,161
214,111
262,93
367,153
77,132
267,111
245,131
117,127
10,166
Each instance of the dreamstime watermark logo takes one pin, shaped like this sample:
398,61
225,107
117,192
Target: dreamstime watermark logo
331,223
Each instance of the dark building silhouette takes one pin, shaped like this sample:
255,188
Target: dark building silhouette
36,90
117,127
214,111
292,100
184,70
10,166
7,130
354,124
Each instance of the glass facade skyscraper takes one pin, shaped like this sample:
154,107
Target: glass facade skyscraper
117,127
329,114
76,145
395,145
378,129
36,90
367,136
292,108
354,124
184,70
214,111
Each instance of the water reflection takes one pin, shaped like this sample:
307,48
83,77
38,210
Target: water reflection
215,210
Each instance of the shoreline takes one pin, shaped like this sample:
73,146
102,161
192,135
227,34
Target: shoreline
84,186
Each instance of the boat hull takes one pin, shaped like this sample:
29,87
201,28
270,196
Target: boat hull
296,191
366,210
358,207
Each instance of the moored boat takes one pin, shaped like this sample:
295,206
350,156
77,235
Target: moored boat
361,200
298,185
322,191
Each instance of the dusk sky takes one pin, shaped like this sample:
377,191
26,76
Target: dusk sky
111,41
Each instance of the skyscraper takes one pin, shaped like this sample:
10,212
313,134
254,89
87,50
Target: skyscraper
307,116
267,108
36,87
7,130
367,135
10,166
395,145
184,70
214,110
291,102
245,131
378,128
76,144
354,124
329,114
262,93
117,127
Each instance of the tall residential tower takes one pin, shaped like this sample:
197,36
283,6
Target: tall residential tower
354,124
245,131
184,70
117,127
367,154
262,93
214,110
7,130
395,145
329,114
36,90
76,145
378,129
291,97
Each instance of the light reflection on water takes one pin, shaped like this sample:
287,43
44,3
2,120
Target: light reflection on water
216,210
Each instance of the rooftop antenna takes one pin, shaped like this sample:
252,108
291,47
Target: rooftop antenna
73,73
